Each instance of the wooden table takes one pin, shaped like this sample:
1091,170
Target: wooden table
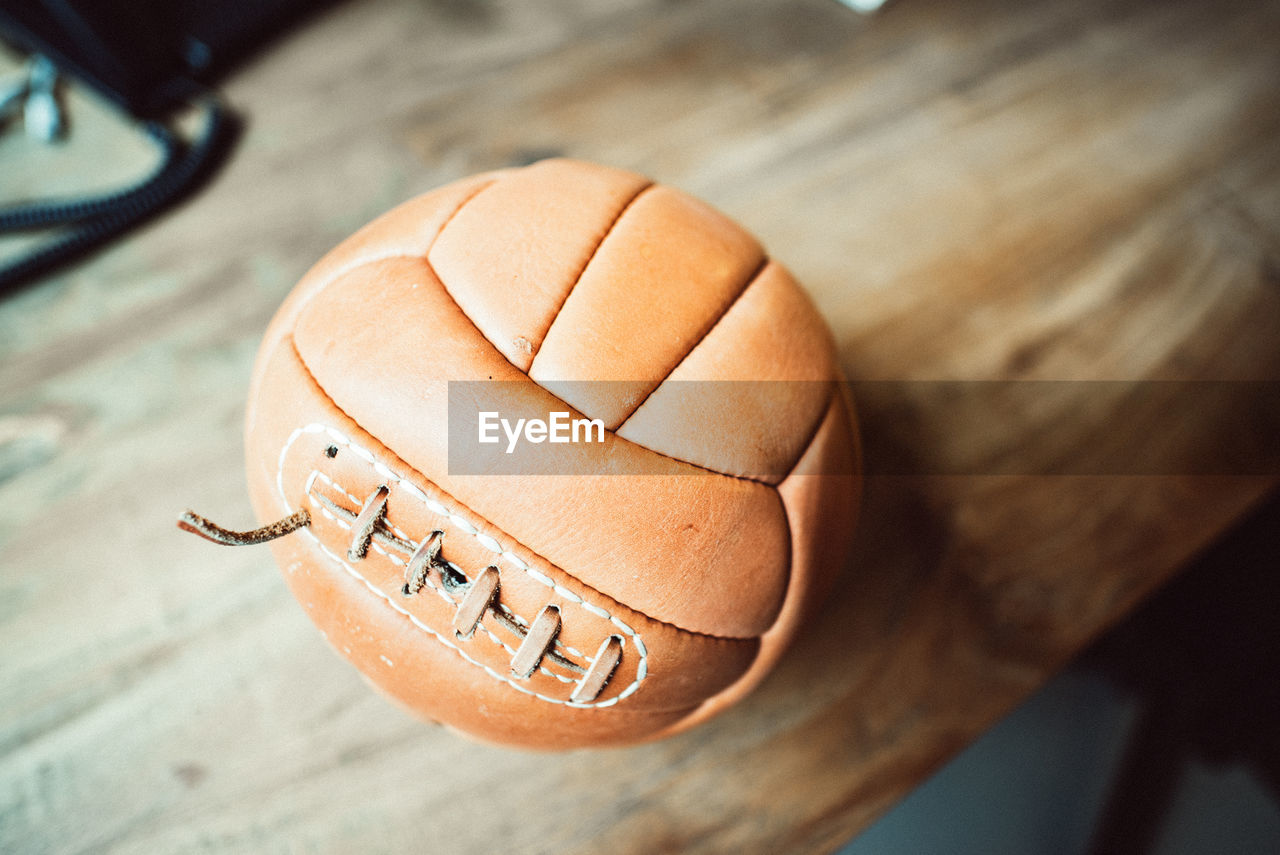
993,190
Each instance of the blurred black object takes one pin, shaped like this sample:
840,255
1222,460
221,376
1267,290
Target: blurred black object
153,58
147,54
1202,657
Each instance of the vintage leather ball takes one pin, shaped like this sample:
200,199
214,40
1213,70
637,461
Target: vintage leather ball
620,606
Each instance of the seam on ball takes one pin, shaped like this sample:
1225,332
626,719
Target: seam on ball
466,526
832,399
360,260
747,283
449,219
590,258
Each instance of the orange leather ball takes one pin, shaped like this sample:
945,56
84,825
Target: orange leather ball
578,607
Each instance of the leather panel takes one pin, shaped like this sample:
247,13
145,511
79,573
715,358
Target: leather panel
748,397
822,497
667,271
513,253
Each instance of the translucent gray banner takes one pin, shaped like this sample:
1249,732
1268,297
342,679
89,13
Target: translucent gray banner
758,429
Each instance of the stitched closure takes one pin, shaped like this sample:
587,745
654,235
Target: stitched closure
387,542
480,597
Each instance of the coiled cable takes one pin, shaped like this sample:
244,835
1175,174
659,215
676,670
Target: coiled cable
89,223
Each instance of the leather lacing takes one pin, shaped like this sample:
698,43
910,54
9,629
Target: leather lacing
480,596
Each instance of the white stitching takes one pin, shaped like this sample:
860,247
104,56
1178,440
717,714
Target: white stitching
465,525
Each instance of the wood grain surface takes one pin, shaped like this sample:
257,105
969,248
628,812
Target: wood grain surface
995,190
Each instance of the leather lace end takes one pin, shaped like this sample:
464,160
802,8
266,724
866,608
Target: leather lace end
196,524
